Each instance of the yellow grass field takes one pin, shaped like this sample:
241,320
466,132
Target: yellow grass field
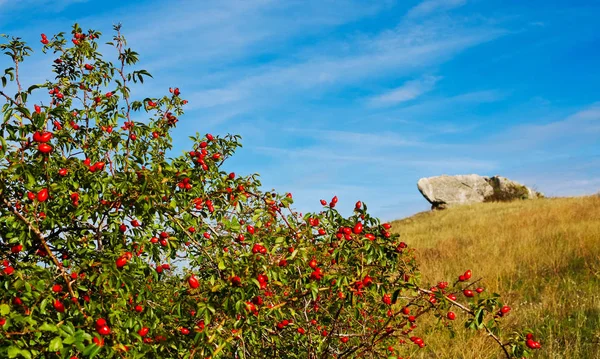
543,256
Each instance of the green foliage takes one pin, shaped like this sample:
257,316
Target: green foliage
110,248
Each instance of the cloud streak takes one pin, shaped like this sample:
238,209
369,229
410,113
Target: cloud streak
401,52
410,90
428,7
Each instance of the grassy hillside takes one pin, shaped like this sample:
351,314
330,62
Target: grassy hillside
543,256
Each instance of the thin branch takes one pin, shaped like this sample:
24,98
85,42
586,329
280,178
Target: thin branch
41,238
468,310
497,341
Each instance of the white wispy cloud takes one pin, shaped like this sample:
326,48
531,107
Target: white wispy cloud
428,7
410,90
52,6
357,139
441,108
391,53
578,128
327,157
215,33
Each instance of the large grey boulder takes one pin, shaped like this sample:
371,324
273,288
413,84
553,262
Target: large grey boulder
445,191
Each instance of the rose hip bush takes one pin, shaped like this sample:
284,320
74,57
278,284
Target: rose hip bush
110,248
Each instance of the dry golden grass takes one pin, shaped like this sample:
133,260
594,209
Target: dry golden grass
543,256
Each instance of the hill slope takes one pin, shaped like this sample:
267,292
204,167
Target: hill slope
543,256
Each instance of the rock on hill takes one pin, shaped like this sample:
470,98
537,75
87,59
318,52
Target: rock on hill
445,191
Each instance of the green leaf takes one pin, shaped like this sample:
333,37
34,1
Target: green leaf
33,87
55,344
69,340
315,292
4,309
47,327
13,352
479,317
91,350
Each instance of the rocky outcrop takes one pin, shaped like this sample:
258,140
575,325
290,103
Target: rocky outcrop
507,190
445,191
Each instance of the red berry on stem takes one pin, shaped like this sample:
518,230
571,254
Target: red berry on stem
358,227
467,274
193,282
121,261
42,195
104,330
59,306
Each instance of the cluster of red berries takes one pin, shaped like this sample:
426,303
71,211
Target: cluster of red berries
199,204
162,267
185,184
77,37
98,166
359,285
42,138
201,153
387,299
466,276
284,323
317,273
171,119
531,343
164,236
75,199
259,249
8,269
262,280
102,327
107,129
418,341
332,204
57,94
127,125
41,196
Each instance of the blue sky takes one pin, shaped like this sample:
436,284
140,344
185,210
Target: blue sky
362,98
